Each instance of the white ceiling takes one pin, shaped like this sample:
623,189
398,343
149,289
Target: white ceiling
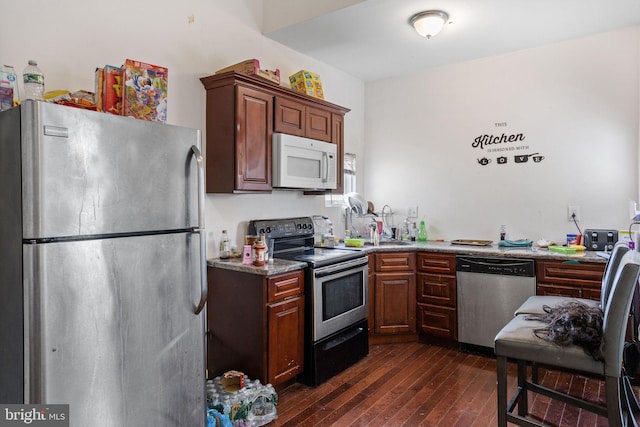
373,40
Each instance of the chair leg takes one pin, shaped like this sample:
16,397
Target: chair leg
534,373
523,404
631,403
615,394
501,368
634,406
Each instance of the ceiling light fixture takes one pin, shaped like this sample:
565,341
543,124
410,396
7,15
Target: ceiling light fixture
429,23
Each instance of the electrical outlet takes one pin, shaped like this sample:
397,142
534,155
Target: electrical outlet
571,211
412,212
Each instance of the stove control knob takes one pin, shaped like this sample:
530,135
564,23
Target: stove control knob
268,230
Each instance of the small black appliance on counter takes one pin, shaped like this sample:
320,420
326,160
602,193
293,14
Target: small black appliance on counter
600,240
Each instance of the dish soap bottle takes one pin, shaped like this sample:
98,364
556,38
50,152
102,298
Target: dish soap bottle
422,232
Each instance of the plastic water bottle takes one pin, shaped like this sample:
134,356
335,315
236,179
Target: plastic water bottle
33,80
422,232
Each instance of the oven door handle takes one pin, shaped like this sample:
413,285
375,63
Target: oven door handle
341,267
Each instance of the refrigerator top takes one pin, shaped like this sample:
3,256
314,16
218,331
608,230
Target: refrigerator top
85,173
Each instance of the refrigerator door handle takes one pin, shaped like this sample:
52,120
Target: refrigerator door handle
203,257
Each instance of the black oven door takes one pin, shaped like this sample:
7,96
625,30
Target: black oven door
339,296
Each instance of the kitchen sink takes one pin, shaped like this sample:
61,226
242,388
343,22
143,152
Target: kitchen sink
390,243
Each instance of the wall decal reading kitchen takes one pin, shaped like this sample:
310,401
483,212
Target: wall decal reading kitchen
485,141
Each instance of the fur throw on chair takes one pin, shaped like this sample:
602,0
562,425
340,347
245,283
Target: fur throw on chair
572,323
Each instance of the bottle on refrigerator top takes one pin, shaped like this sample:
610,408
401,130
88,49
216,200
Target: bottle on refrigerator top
422,232
225,246
33,80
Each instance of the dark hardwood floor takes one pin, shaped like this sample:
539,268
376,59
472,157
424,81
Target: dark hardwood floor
415,384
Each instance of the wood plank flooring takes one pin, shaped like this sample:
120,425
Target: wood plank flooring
415,384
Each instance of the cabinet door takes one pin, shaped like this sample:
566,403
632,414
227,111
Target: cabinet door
290,117
318,124
254,116
286,335
395,303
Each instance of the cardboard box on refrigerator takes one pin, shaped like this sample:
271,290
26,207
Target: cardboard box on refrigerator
112,90
252,67
308,83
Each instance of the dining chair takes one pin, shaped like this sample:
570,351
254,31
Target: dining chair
518,342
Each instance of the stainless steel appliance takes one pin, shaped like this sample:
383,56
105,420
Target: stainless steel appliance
600,240
303,163
489,292
336,297
102,272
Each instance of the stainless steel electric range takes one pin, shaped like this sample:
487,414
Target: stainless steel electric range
336,296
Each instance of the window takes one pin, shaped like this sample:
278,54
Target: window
349,182
349,173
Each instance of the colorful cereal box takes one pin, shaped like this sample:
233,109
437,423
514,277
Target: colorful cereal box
8,78
112,93
6,97
307,82
145,91
99,88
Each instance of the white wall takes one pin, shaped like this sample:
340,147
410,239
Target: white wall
70,38
576,103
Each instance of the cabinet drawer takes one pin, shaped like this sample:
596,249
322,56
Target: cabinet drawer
395,261
581,275
285,285
437,289
437,263
564,291
437,321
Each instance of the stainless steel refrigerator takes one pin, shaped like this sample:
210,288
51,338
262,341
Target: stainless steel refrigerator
102,270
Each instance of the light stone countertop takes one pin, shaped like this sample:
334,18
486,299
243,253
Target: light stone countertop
280,266
492,250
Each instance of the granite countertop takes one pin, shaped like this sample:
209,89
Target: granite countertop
492,250
280,266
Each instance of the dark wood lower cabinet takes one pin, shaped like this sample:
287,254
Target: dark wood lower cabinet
395,303
393,297
572,279
255,324
437,297
437,321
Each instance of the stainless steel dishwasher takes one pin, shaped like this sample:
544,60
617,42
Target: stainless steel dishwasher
489,292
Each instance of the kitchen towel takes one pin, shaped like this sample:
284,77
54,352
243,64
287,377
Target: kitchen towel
516,243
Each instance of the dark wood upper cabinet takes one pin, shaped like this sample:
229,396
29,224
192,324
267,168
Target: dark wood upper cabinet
242,114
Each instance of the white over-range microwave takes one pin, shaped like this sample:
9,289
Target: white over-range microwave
303,163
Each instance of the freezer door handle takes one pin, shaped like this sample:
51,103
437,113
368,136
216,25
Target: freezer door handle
203,256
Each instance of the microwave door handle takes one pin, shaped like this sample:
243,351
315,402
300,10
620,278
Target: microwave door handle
325,161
